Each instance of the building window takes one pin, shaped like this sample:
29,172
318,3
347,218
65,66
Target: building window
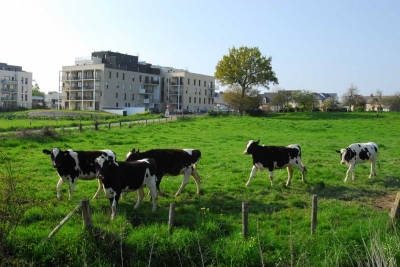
204,101
133,96
140,78
109,74
133,77
117,74
26,97
106,85
22,89
116,95
188,81
194,82
123,86
138,97
123,76
199,91
124,96
199,100
194,100
116,104
190,99
186,90
205,84
117,85
195,92
199,83
26,80
130,87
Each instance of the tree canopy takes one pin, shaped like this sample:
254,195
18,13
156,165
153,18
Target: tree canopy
246,69
304,99
36,91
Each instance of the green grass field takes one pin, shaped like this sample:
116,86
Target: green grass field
352,216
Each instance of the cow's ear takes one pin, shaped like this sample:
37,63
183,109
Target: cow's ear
47,152
257,141
337,151
137,151
133,150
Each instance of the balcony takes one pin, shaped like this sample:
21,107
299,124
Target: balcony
80,78
173,92
9,81
146,101
79,88
145,91
9,90
151,81
176,84
8,99
84,98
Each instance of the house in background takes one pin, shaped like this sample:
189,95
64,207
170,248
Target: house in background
38,102
16,87
53,100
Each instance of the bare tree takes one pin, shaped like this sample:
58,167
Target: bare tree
350,97
282,98
377,100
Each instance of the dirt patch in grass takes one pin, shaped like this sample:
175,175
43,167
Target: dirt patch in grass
385,202
56,114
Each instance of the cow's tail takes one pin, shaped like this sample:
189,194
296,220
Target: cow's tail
302,164
379,162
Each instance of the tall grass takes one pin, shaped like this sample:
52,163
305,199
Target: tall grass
352,219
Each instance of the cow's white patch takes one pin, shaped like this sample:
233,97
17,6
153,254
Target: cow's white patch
109,192
188,150
144,160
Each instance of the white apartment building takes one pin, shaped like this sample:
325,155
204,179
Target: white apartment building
115,80
16,87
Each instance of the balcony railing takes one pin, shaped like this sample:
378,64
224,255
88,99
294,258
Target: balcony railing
9,81
172,92
146,91
85,98
151,81
79,78
79,88
176,84
9,90
8,99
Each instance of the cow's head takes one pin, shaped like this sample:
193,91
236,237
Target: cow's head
132,155
346,154
102,165
251,146
57,156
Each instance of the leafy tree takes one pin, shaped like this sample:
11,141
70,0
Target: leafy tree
232,96
36,91
247,69
394,102
304,99
281,99
330,103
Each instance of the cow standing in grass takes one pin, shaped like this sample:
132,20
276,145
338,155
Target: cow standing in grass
359,153
73,165
275,157
171,162
118,177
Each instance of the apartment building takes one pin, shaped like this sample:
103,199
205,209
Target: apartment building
16,87
114,80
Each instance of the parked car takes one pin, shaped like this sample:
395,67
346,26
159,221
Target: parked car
203,110
178,111
187,111
154,110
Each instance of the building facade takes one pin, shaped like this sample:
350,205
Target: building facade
115,80
16,87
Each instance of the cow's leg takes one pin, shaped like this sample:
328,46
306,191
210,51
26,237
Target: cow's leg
153,192
372,169
196,178
302,170
350,170
114,204
290,174
158,182
140,192
59,184
185,180
98,189
252,173
271,177
71,187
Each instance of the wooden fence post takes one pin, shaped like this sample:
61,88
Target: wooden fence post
130,124
120,125
80,127
86,214
245,218
171,217
394,215
314,213
109,125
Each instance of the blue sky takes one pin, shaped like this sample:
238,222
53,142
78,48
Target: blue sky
322,46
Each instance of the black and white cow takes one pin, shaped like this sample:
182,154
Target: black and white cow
359,153
73,165
274,157
172,162
123,176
